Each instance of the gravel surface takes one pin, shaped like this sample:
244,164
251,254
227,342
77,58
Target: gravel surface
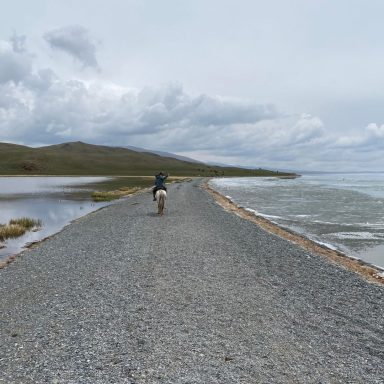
196,296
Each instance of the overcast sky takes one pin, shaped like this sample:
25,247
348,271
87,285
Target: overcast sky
278,84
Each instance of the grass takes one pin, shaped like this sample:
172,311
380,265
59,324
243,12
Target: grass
114,183
26,222
96,160
10,231
113,195
17,227
134,184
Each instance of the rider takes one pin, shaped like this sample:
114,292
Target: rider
159,183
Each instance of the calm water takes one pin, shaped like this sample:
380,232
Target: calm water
343,211
56,201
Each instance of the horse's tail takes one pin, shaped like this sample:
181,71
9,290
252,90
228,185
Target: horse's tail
161,202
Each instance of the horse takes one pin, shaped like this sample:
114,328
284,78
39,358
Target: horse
161,196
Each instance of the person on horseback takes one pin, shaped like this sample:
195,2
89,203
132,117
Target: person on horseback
159,183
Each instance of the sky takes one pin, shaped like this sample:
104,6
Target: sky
275,84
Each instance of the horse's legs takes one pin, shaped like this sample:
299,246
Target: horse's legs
160,197
160,204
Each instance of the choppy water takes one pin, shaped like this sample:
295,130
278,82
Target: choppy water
343,211
56,201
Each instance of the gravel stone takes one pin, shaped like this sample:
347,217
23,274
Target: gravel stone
196,296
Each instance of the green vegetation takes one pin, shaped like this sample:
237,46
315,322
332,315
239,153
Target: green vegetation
10,231
113,195
17,227
114,183
134,185
26,222
86,159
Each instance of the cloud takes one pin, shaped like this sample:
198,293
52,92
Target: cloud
15,63
42,108
18,43
370,138
375,130
76,42
45,109
157,117
39,107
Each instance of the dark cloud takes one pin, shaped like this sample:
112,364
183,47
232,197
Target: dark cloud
75,41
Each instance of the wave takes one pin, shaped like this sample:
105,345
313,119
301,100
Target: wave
331,209
356,235
263,214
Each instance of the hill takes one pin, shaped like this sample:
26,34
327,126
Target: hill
78,158
165,154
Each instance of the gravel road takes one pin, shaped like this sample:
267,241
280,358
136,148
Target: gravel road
196,296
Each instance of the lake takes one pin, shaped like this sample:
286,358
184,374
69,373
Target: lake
342,211
56,201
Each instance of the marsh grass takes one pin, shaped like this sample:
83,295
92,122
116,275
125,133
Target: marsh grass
17,227
113,195
137,183
26,222
178,179
10,231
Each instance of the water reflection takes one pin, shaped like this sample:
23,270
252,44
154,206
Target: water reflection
56,201
11,187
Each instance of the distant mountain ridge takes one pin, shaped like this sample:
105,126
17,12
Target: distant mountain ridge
163,153
78,158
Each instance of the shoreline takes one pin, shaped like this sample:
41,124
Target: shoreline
370,272
29,246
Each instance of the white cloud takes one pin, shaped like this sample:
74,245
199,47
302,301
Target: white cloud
74,40
370,138
164,117
375,130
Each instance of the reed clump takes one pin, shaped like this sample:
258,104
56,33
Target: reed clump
10,231
26,222
17,227
113,195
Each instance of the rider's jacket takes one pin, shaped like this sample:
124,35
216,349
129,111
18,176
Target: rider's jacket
160,181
